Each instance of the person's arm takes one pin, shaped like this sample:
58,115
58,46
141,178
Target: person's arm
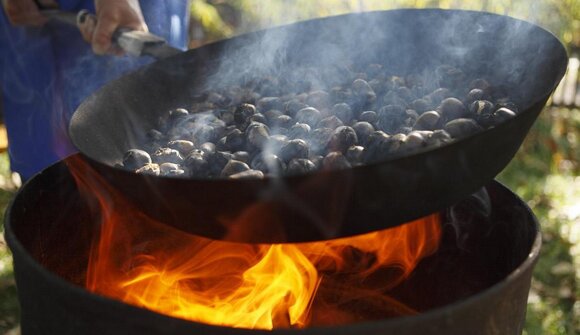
111,15
26,12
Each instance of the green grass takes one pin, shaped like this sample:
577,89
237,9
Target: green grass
545,173
9,310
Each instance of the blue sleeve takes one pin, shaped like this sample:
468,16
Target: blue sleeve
167,18
45,73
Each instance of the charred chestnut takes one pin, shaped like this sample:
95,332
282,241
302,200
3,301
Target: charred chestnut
176,115
300,166
167,155
257,134
294,149
242,156
170,170
267,103
420,105
293,106
154,135
243,113
268,163
299,130
439,95
318,99
503,114
462,127
135,159
308,115
427,121
449,76
376,146
476,94
438,138
343,138
233,167
218,161
452,108
196,164
335,161
184,147
363,94
258,117
319,139
363,129
204,133
368,116
235,140
275,143
355,154
331,122
390,118
343,112
150,169
413,141
482,111
249,174
283,121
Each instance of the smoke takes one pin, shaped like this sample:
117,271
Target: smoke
481,44
512,55
79,73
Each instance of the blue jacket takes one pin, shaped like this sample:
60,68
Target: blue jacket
45,73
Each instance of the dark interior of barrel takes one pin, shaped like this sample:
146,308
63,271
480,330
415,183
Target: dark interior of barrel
476,251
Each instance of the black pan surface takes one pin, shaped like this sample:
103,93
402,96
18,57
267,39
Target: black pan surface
526,59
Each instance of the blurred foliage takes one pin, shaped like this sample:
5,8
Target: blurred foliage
210,19
545,172
9,311
222,18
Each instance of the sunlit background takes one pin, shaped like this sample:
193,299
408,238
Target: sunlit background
222,19
545,172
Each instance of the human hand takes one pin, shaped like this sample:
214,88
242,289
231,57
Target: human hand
111,15
26,12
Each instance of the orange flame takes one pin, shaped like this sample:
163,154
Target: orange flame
147,264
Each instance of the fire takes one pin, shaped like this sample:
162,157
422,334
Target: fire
147,264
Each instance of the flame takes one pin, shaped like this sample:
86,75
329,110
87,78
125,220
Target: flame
147,264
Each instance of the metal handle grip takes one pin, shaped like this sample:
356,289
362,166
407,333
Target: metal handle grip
60,16
133,42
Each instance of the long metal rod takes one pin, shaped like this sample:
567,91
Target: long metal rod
60,16
133,42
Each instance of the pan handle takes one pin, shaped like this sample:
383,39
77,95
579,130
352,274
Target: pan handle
133,42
